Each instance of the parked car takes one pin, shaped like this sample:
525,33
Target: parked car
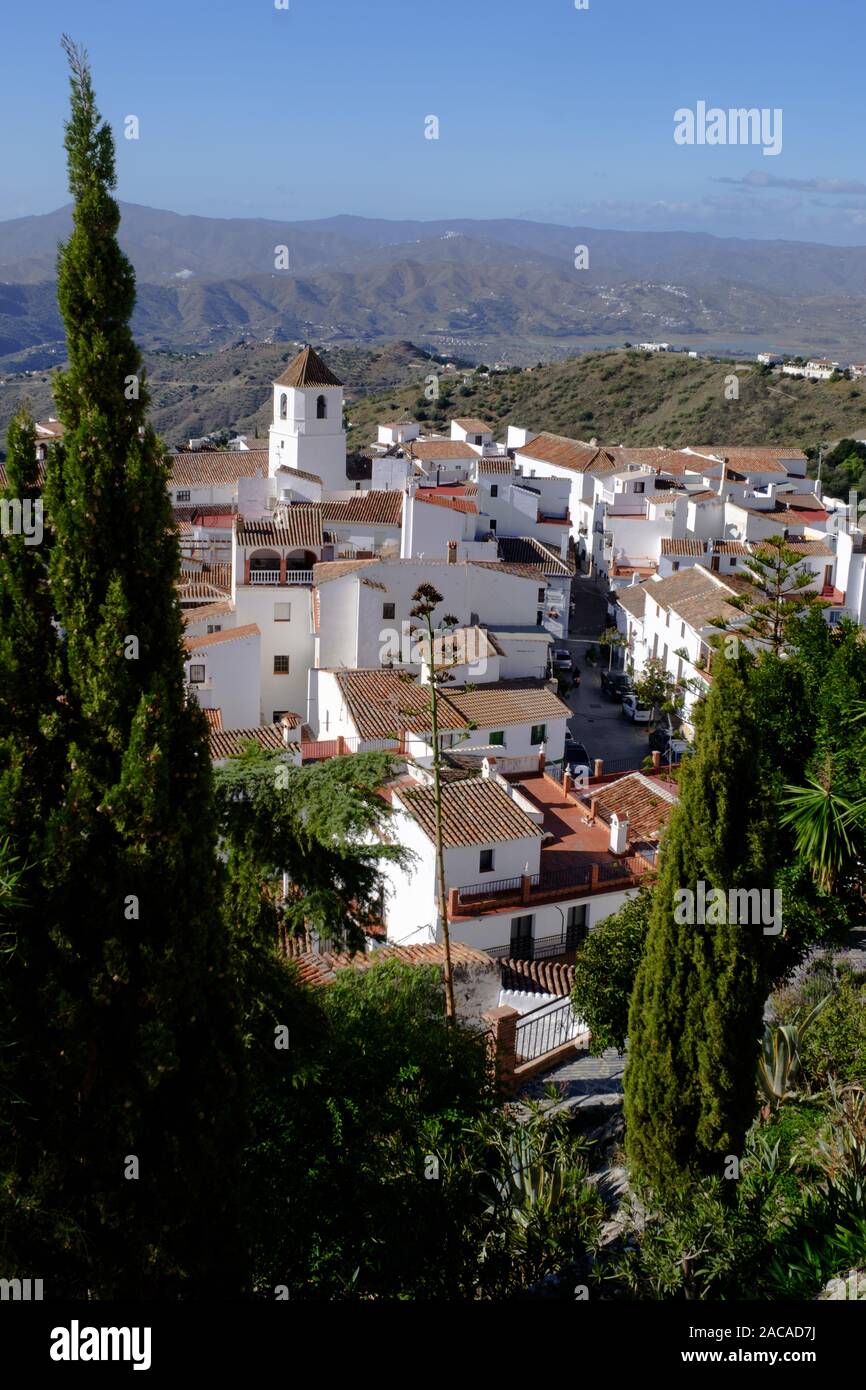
675,747
635,709
577,759
615,684
562,659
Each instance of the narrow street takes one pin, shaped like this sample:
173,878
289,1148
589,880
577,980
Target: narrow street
598,722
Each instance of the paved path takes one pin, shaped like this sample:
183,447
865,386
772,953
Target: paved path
581,1080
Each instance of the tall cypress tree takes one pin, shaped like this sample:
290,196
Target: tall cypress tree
30,761
695,1017
141,1121
28,699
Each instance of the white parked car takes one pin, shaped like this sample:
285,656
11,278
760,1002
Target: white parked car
635,710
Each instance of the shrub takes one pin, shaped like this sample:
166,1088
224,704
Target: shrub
604,974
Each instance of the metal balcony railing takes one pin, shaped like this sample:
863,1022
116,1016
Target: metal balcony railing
545,1029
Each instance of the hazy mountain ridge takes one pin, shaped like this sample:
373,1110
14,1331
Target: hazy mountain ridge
500,287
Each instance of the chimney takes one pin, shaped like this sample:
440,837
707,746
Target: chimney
452,552
618,834
285,727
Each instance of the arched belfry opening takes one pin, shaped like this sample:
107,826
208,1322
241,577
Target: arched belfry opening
284,406
321,408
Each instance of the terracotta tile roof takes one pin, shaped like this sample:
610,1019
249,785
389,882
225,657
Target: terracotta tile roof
673,462
336,569
230,743
753,459
427,449
694,595
505,702
457,504
196,590
811,548
705,495
495,465
299,473
568,453
228,634
52,427
190,511
520,571
687,545
218,572
372,508
682,546
40,476
383,702
526,550
320,968
633,599
536,976
643,801
790,516
214,718
217,467
295,524
208,610
307,369
475,812
473,426
806,500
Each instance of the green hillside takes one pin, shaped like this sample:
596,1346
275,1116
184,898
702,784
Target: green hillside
630,397
198,393
616,396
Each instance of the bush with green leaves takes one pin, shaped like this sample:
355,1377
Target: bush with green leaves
382,1164
835,1046
604,973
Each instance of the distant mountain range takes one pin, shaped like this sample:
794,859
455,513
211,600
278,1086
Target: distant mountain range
499,288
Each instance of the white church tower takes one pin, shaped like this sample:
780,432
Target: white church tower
307,431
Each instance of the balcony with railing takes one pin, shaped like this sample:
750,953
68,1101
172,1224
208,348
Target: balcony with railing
275,576
578,880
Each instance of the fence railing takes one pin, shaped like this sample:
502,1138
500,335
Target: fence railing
273,577
590,878
545,1029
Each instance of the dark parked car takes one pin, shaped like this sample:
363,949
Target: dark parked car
615,684
577,759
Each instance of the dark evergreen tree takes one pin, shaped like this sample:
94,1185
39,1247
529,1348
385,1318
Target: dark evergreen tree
29,772
28,698
136,1102
695,1018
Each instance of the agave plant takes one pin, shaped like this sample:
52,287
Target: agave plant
779,1066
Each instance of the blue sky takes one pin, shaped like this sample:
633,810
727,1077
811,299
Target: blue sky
545,111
